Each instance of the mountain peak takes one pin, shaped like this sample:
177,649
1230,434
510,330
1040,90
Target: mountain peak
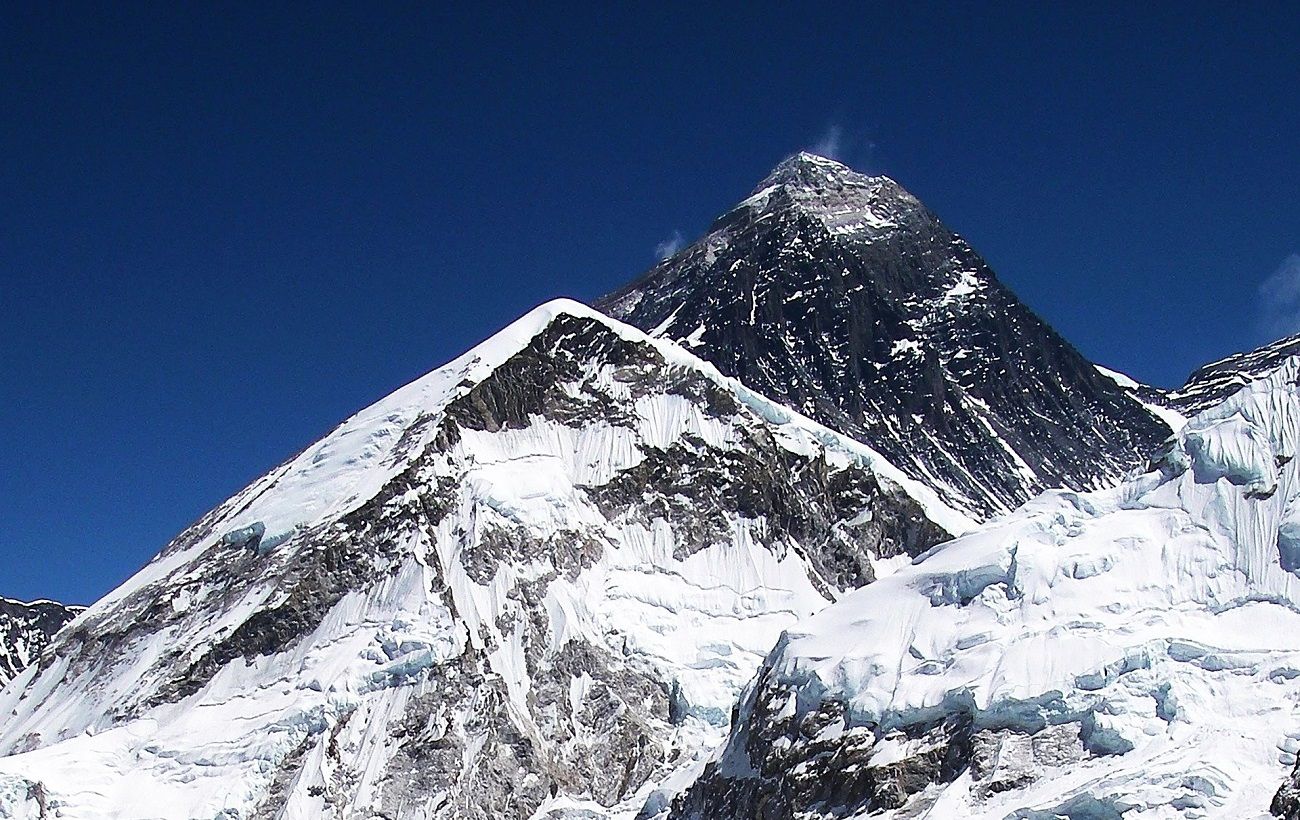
804,162
562,554
846,201
841,295
808,170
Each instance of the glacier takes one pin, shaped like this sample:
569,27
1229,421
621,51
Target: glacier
1128,652
590,572
529,583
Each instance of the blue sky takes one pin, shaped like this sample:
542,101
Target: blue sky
223,231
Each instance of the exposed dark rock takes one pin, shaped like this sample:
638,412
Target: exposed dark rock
800,498
1214,382
613,743
786,759
1286,803
525,385
1005,759
26,628
842,296
819,764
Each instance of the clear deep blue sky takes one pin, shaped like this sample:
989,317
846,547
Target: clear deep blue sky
222,232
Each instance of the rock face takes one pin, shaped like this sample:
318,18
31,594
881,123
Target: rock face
26,628
1214,382
1155,399
1286,803
842,296
538,582
532,582
1130,652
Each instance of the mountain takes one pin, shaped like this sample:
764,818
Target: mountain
531,582
1214,382
536,582
842,296
26,628
1130,652
1156,400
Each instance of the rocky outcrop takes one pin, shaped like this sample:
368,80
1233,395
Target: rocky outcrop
26,628
842,296
1286,803
539,575
1214,382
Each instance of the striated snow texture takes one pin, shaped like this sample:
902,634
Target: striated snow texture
530,583
1214,382
1133,652
841,295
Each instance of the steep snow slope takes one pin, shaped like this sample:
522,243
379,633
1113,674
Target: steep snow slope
536,577
1214,382
26,628
842,296
1154,399
1133,652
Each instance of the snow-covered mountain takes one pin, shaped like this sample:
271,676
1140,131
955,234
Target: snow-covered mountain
1214,382
842,296
532,580
26,628
535,582
1130,652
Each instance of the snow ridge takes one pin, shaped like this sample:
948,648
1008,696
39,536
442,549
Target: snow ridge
839,294
536,577
1213,382
1133,650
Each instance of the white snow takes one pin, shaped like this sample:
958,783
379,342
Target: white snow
1168,415
1125,381
1164,608
905,347
968,282
694,338
703,619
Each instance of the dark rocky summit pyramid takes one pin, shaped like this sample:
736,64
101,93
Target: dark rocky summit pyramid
536,582
844,297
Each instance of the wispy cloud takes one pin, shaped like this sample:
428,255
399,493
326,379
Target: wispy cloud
831,144
1279,299
846,145
670,246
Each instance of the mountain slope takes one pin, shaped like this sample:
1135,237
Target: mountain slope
536,577
842,296
1155,399
1132,652
1214,382
26,628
